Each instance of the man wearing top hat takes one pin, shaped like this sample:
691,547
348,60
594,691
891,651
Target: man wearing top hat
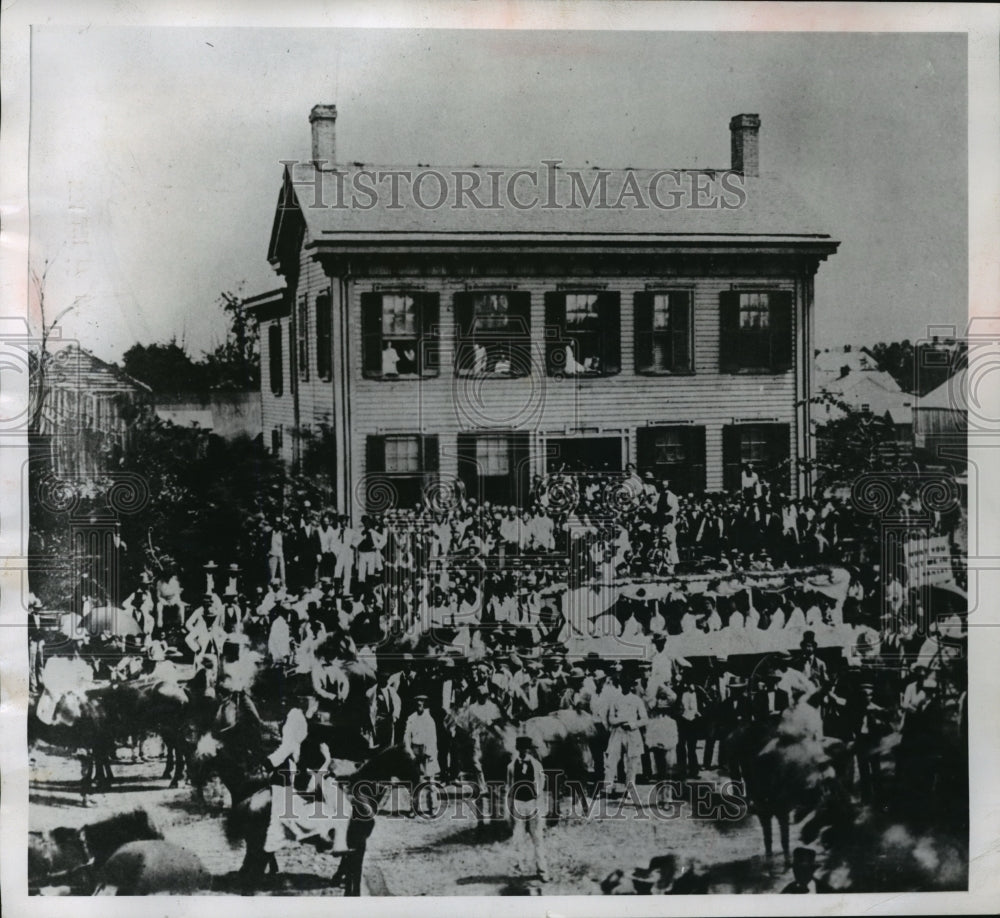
525,800
811,666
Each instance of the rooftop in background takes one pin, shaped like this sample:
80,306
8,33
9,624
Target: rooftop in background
74,364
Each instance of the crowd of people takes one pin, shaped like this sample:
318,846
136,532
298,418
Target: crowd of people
460,606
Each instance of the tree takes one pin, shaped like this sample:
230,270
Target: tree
923,367
164,367
38,362
853,444
235,364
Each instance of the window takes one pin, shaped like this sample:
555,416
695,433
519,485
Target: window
494,467
494,334
402,454
400,334
755,331
399,466
276,440
302,331
764,446
492,455
582,334
275,369
664,332
673,453
324,337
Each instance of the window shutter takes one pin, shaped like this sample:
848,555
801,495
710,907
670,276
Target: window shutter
462,304
374,469
555,333
324,343
430,316
371,334
729,327
778,447
275,368
520,312
292,362
782,347
429,459
468,469
696,459
731,457
680,332
645,448
519,467
642,316
609,309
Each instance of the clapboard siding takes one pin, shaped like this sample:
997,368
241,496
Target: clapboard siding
619,404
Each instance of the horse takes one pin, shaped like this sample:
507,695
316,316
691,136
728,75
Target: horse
152,868
786,768
96,719
70,858
235,754
562,740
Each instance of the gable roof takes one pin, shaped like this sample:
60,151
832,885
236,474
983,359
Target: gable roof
78,367
952,394
334,211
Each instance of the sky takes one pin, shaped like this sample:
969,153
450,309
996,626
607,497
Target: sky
155,153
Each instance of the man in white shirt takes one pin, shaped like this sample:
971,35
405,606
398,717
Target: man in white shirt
420,739
303,819
626,714
390,360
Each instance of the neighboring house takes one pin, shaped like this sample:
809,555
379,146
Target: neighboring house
854,377
226,414
487,345
87,410
941,421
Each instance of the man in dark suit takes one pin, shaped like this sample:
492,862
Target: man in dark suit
767,700
811,666
306,551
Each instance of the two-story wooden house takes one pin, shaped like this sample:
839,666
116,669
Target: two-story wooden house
546,318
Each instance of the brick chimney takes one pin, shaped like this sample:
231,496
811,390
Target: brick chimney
323,119
743,129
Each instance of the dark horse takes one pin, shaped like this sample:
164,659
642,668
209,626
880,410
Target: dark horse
70,858
234,752
98,719
786,770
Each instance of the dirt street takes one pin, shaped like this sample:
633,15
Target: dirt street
421,856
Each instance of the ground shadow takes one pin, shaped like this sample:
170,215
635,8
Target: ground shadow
284,884
486,834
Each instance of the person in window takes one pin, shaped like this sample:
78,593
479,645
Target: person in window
479,358
408,362
503,364
750,482
573,368
390,360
